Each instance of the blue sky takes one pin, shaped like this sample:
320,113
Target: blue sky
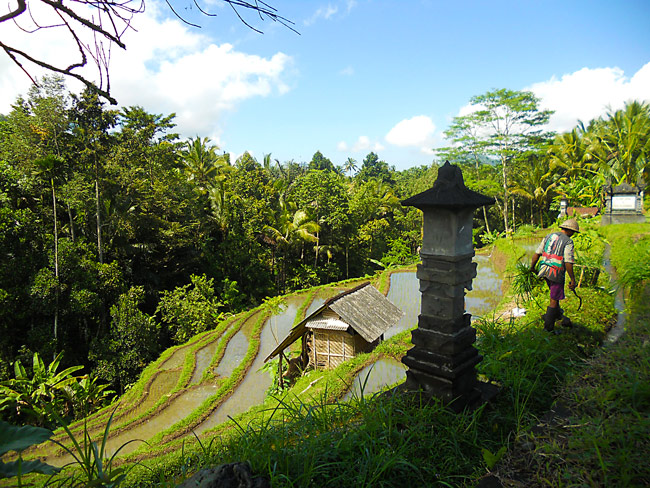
370,75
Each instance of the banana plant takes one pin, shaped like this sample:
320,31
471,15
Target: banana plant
88,394
28,396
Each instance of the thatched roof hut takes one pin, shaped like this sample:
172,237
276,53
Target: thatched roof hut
345,325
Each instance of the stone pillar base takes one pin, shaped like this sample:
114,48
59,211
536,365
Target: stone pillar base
480,393
442,362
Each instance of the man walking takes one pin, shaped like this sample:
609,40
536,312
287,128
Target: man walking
556,253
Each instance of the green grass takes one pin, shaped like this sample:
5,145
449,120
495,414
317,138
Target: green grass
392,440
310,438
603,436
630,254
605,439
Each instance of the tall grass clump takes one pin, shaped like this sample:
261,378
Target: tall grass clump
524,283
527,364
633,262
385,441
91,465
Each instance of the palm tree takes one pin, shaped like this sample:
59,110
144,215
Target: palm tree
210,172
218,196
382,197
292,227
621,144
535,182
579,158
202,163
570,153
350,165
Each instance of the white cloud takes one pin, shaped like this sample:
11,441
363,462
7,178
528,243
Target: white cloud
363,143
178,70
329,11
323,13
169,67
347,71
416,132
588,93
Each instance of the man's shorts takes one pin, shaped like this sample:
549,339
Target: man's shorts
557,290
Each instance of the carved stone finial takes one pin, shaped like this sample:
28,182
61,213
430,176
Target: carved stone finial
448,191
450,175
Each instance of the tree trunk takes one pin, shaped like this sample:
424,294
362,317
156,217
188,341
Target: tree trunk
71,222
505,194
276,277
496,202
56,233
100,250
478,176
56,270
284,272
485,218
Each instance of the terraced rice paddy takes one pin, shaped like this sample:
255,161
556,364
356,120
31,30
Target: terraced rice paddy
226,379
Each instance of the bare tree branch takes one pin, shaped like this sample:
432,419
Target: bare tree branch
107,21
12,15
12,52
243,21
203,11
179,17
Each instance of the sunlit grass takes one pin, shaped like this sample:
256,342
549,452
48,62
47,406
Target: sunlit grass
307,437
389,440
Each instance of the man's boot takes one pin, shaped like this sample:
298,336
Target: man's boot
564,320
549,318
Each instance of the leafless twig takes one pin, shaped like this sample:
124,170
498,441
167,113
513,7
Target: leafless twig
107,21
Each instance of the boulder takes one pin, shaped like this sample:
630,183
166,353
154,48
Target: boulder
233,475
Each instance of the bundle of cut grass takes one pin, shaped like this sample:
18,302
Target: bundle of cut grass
524,282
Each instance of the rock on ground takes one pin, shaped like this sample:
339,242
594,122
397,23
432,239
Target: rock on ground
233,475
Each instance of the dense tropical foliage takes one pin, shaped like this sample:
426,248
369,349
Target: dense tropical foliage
119,239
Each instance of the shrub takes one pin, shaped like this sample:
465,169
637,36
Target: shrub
190,309
133,341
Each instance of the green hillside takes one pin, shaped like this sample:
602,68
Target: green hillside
308,436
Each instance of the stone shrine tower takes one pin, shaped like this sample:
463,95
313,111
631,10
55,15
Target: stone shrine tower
443,360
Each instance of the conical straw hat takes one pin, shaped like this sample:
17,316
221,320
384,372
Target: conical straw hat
571,224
